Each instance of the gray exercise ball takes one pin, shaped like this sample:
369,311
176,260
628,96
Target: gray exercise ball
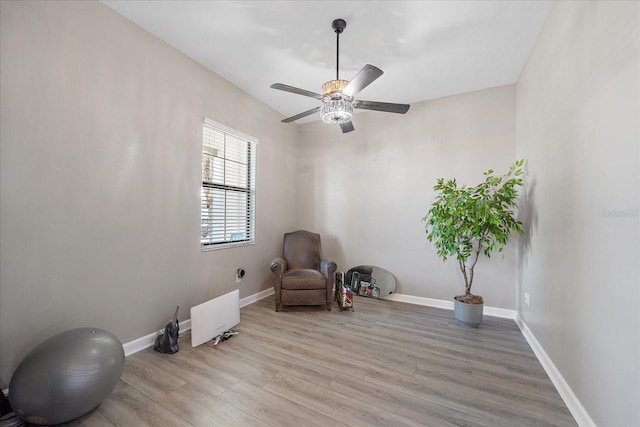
66,376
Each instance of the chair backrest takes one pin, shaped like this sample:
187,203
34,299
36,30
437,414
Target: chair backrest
302,249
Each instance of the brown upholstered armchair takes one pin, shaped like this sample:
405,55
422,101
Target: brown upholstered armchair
302,276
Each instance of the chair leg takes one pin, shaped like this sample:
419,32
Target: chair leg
277,307
329,306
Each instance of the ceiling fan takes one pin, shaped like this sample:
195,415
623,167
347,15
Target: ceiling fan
338,95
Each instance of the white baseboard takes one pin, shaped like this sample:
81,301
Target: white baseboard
448,305
429,302
568,396
147,341
505,313
256,297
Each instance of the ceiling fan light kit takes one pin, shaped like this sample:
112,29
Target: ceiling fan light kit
336,111
338,95
336,106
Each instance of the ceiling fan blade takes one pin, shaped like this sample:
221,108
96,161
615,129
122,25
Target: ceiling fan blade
301,115
365,76
296,90
382,106
346,127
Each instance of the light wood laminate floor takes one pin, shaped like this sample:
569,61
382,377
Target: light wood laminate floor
384,364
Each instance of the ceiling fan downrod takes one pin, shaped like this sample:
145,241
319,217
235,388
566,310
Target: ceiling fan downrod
338,26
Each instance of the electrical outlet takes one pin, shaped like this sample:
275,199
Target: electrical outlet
527,299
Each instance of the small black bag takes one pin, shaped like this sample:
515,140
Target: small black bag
168,341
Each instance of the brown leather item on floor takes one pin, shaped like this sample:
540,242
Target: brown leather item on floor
301,276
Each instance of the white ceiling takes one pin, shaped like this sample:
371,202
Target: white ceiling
427,49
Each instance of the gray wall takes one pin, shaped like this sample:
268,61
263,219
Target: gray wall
367,191
100,178
99,186
578,125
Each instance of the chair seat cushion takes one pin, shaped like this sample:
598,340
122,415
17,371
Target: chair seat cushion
303,279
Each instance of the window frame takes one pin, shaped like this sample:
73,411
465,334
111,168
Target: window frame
206,235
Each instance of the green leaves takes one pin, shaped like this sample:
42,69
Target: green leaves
465,221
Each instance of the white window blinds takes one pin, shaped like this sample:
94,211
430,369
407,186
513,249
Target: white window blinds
228,187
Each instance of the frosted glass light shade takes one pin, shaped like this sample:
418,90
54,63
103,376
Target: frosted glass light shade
334,87
336,111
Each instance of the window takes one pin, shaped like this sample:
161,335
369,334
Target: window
228,187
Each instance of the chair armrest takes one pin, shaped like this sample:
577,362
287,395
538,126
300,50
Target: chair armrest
279,263
328,269
278,267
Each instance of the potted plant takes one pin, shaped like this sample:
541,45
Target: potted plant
467,221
